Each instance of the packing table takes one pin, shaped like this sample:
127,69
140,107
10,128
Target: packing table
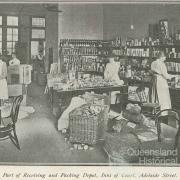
61,98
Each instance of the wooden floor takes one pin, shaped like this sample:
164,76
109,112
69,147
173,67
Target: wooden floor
40,141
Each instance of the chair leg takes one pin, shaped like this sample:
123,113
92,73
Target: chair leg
14,139
177,139
159,131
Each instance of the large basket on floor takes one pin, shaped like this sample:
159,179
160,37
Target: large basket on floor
119,147
87,128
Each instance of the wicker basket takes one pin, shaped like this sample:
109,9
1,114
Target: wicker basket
87,129
119,145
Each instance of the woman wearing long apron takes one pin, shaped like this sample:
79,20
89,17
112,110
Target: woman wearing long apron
160,89
3,82
111,73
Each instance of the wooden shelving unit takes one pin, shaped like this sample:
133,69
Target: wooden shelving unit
82,56
174,60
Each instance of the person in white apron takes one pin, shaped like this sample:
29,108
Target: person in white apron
111,73
3,82
160,90
14,61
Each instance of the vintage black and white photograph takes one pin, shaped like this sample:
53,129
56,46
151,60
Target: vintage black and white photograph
93,83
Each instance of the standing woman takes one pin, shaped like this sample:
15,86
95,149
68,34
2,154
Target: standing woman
160,90
3,82
40,61
111,73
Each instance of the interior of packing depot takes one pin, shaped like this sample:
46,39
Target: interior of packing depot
37,129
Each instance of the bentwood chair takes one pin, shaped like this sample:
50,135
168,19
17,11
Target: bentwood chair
8,126
173,117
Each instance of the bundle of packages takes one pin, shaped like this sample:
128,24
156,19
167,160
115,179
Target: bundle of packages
95,82
119,147
87,123
96,98
133,113
57,80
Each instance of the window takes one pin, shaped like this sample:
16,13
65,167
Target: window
0,20
12,21
38,22
36,47
9,34
38,36
0,34
12,38
12,33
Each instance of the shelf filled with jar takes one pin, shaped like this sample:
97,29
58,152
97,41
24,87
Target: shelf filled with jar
82,56
139,55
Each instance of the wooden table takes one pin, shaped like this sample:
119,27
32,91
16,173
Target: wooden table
95,89
64,97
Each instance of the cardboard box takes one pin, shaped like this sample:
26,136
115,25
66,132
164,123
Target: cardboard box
25,74
16,89
19,74
13,76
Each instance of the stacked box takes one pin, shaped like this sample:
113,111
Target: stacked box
13,76
19,74
25,73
